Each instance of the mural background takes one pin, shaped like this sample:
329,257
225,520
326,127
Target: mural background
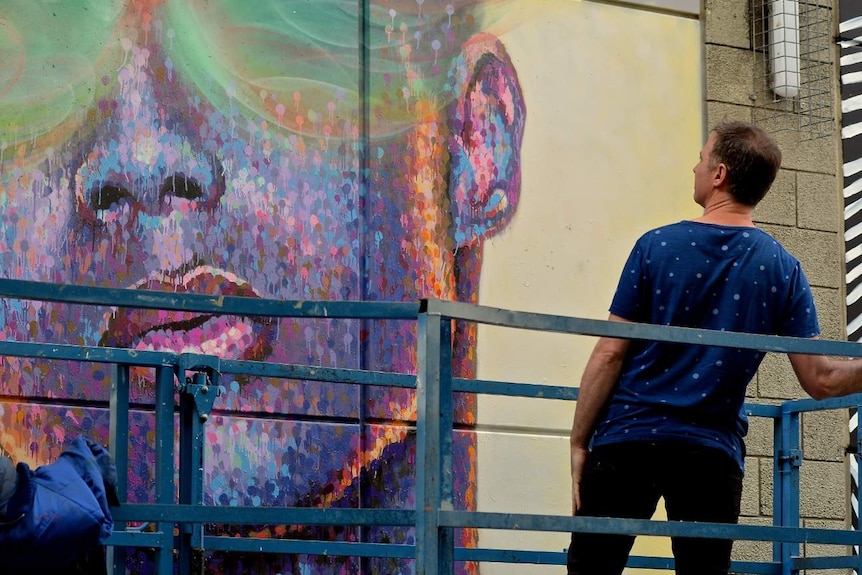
500,151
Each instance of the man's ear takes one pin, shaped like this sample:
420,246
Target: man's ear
486,120
720,178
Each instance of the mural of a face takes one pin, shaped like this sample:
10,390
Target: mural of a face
216,146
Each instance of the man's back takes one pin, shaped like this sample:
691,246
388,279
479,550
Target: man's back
694,274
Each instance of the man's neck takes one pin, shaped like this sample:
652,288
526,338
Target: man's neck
724,211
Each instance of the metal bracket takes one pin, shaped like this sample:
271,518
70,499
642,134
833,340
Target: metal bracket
793,457
202,386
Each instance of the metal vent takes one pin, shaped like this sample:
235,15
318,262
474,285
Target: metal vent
792,41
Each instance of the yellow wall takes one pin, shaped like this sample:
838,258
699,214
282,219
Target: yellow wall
614,127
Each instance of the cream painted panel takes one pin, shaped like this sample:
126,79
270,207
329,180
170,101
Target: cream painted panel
614,126
613,130
534,483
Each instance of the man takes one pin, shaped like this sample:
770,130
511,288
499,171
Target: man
234,148
666,420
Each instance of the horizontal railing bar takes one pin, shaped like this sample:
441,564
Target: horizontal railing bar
807,404
311,373
335,516
92,354
237,305
559,558
802,563
134,539
255,515
755,567
639,562
532,390
336,548
145,358
763,410
151,359
625,330
541,391
559,523
488,555
351,549
205,303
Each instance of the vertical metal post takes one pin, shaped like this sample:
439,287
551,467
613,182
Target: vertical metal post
165,488
427,454
186,462
118,446
434,545
790,460
777,486
446,535
191,476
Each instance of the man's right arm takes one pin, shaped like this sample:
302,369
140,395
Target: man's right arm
822,377
598,382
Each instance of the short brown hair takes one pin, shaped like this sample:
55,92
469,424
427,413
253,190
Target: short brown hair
752,158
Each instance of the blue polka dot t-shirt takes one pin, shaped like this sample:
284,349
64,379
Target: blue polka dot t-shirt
693,274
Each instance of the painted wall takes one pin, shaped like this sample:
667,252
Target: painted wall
514,149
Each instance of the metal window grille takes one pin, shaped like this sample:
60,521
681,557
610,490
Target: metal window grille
793,66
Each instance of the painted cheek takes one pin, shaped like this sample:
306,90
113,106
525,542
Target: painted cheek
34,231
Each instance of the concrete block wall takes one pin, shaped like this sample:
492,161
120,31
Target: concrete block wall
803,211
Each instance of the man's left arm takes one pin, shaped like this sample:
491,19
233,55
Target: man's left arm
822,377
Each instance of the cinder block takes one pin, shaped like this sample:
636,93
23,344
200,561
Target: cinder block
760,438
818,202
718,111
750,506
767,492
802,153
779,205
729,74
727,22
819,253
753,550
823,489
822,550
776,379
825,435
830,312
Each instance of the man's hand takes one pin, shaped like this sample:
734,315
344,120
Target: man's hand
579,458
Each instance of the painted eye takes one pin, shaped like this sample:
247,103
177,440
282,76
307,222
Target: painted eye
179,186
109,196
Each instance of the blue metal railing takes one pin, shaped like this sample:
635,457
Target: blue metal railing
178,513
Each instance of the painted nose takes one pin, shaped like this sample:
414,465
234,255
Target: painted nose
143,151
147,174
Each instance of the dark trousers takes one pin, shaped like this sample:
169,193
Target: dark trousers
626,480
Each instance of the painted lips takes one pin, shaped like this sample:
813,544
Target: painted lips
231,337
